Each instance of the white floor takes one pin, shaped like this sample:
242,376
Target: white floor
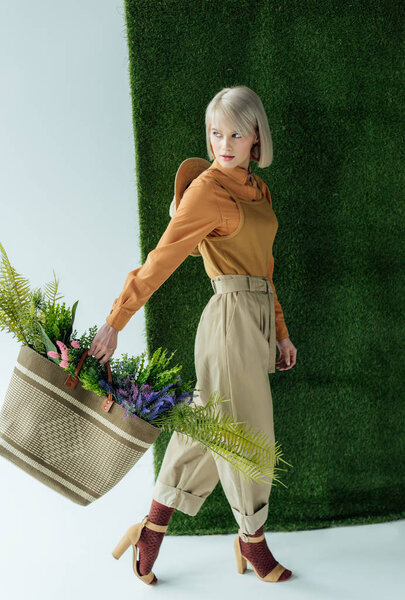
51,548
340,563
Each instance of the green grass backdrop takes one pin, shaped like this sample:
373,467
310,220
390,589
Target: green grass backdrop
329,76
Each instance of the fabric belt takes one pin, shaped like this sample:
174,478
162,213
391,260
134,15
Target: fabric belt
235,283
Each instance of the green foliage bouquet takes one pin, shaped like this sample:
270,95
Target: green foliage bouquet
152,391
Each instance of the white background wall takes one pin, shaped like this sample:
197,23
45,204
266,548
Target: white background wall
68,203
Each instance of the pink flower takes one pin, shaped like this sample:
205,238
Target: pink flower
63,350
75,344
63,347
64,354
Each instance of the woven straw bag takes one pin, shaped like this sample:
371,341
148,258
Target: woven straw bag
72,440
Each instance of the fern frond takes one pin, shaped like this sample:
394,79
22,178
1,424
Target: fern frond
51,289
248,451
14,298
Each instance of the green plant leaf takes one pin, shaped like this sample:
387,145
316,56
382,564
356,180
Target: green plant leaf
250,452
49,345
50,290
14,299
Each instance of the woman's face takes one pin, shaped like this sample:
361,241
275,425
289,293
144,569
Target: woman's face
226,141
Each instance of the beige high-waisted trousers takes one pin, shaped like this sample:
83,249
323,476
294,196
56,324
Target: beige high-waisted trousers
235,348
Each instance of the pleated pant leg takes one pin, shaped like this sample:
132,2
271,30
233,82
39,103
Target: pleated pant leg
231,357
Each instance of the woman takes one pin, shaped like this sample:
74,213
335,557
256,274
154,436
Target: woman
226,215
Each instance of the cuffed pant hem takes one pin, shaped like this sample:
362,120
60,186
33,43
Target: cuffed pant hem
177,498
249,524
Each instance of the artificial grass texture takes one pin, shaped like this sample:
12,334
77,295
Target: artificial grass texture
329,78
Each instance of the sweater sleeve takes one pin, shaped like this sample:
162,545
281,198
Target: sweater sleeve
198,215
281,328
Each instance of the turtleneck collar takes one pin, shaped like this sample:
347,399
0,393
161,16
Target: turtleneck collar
238,180
239,174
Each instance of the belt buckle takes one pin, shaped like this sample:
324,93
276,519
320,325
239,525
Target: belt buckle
254,285
267,282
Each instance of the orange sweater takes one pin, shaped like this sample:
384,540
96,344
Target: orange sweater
205,210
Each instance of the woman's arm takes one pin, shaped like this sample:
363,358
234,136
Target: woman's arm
198,215
281,327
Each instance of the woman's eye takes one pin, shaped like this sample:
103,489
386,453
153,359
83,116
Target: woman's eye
215,133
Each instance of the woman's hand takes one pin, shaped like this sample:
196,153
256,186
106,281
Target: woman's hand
288,354
104,343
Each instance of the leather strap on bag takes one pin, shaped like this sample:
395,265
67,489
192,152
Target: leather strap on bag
72,381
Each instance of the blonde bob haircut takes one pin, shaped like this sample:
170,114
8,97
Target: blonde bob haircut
242,109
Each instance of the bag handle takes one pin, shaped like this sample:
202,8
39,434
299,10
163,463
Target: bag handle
72,381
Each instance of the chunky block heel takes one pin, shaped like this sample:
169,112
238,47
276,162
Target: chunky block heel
121,547
132,537
240,560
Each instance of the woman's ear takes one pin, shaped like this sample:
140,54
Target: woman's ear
255,151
